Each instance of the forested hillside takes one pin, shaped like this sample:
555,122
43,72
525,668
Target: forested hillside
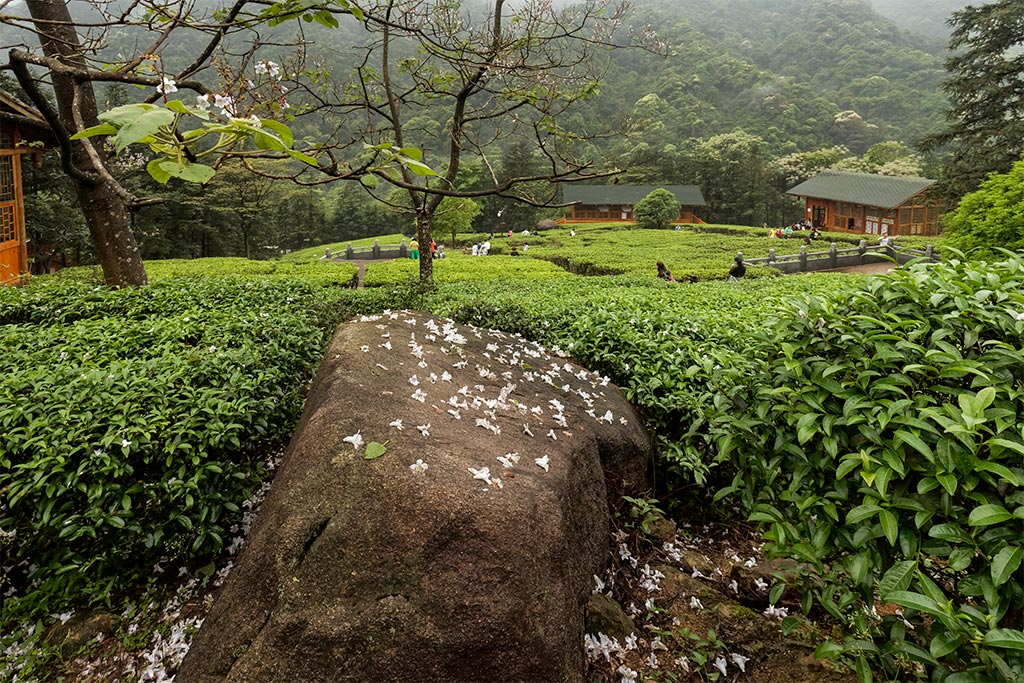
798,73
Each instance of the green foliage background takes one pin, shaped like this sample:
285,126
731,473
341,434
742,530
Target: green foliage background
991,218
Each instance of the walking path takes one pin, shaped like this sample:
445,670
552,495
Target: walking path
866,269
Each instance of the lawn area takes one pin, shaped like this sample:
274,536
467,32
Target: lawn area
314,253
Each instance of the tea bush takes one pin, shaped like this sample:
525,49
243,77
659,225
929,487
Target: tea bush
323,272
460,268
675,349
136,421
882,446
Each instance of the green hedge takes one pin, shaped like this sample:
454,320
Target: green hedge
136,421
882,446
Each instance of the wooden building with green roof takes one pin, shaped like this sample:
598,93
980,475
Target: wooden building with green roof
614,203
869,204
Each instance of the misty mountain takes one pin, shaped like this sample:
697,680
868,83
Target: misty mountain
923,16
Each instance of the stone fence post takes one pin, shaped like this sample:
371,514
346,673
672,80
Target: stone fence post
862,249
803,257
833,255
349,252
376,249
403,249
771,256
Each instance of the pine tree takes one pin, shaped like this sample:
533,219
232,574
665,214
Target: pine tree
986,94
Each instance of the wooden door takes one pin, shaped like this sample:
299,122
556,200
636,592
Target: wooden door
12,242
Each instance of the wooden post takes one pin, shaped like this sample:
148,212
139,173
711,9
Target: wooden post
833,256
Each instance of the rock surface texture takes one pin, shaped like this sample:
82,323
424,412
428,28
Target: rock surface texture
465,551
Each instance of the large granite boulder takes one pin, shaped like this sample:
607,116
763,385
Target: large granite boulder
464,552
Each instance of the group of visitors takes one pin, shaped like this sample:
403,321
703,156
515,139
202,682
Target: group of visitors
436,250
481,248
812,233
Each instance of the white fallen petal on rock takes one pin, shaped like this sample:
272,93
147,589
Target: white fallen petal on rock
542,462
355,439
483,474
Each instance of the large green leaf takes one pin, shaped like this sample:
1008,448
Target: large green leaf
417,167
890,527
142,126
915,442
862,512
1005,638
283,132
193,173
950,532
922,603
863,669
157,171
984,515
374,450
944,643
1005,564
102,129
898,578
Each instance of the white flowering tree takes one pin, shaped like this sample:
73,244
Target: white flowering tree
510,73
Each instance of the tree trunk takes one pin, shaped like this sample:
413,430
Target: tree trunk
423,236
105,213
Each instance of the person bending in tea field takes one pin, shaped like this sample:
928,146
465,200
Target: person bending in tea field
414,249
738,270
664,273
